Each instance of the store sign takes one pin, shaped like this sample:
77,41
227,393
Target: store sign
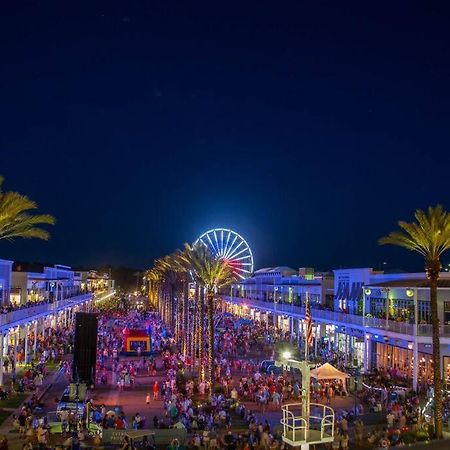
348,284
349,291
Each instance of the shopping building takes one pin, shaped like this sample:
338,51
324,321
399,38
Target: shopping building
375,319
52,284
35,301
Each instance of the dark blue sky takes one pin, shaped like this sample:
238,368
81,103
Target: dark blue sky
308,127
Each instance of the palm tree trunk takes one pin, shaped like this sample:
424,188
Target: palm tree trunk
194,340
433,268
210,312
185,329
177,320
172,308
201,332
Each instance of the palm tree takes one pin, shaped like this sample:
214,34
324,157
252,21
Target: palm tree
187,258
16,221
213,273
429,236
167,267
153,277
185,273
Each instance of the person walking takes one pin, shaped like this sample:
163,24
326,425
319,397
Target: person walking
155,390
147,398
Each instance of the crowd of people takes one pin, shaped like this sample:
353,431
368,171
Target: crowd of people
240,411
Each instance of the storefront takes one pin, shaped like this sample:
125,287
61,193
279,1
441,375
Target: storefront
386,356
352,347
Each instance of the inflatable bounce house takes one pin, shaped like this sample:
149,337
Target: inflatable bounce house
137,342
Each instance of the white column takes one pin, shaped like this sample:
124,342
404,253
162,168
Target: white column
346,347
27,329
364,305
15,346
6,344
387,308
367,352
1,358
416,311
415,364
317,328
35,337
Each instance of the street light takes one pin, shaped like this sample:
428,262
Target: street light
297,430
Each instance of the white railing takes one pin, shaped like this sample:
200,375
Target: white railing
341,318
425,330
299,430
294,427
45,308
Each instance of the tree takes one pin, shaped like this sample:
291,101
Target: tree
168,269
187,258
429,236
15,219
212,273
153,278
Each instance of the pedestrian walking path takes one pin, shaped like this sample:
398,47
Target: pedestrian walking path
15,440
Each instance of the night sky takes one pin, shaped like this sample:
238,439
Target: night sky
308,127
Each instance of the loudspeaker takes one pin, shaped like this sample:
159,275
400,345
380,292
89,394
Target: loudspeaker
85,348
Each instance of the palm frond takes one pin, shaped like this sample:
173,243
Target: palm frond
429,235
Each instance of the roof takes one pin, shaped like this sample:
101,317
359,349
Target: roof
275,269
412,283
327,372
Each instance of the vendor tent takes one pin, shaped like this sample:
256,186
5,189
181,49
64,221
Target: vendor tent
328,372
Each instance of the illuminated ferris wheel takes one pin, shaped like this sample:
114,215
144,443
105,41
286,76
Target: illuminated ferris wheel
231,247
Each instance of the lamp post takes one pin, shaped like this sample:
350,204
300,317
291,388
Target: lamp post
275,301
387,290
305,370
355,381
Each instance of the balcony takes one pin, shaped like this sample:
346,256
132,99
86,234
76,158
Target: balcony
323,315
13,318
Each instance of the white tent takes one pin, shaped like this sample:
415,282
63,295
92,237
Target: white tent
329,372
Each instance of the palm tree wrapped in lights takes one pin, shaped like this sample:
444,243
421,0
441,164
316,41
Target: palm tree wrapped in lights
212,273
429,236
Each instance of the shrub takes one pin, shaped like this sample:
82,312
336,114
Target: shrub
409,438
218,389
422,435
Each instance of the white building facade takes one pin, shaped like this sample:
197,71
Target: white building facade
375,320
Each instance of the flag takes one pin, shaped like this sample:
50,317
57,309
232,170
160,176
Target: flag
308,322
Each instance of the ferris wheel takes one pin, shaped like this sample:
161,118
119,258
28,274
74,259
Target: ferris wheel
231,247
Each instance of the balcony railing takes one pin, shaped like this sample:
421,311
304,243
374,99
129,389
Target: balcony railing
45,308
323,315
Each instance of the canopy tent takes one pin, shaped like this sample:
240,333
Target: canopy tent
328,372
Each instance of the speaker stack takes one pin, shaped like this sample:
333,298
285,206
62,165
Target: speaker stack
85,348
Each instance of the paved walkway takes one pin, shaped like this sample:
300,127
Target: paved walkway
48,388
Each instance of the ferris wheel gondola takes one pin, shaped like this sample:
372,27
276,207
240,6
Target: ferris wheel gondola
231,247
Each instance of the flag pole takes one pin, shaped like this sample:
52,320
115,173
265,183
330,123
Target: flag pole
306,327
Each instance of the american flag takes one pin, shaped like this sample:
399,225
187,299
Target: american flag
308,322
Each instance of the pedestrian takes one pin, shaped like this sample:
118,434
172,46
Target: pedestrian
344,441
147,398
155,390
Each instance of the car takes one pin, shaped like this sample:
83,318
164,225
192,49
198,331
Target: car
70,405
276,370
265,364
